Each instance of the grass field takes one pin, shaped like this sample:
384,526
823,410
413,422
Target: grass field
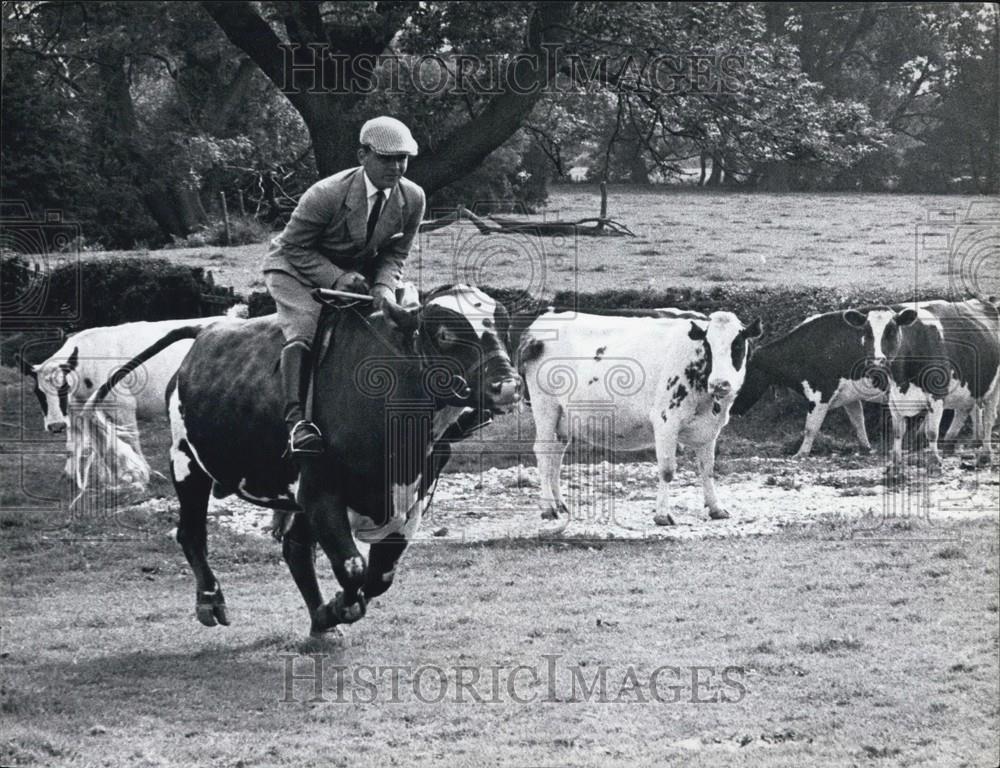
819,646
840,651
697,239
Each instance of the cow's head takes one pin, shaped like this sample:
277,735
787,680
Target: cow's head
54,380
463,335
881,334
726,341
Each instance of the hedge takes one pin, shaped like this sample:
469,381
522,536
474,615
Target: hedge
86,294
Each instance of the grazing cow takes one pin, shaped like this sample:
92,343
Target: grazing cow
389,390
932,356
69,377
678,373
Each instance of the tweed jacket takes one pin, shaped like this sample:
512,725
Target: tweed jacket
325,236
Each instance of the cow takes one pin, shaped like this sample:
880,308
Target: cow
932,356
68,378
677,374
822,360
390,389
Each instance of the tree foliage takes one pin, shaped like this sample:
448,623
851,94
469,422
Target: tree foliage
133,117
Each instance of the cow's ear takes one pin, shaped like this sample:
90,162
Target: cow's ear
696,332
74,358
854,318
26,368
906,317
755,329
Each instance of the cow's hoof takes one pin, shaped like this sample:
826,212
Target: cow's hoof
332,634
718,514
664,519
865,450
552,513
210,608
894,477
346,614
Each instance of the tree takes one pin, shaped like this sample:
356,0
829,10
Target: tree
335,50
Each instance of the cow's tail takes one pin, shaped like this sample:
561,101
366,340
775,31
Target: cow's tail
105,453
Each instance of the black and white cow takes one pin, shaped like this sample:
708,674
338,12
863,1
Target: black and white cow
389,391
632,383
933,356
823,360
69,377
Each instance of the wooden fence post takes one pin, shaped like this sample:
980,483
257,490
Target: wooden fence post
243,207
225,216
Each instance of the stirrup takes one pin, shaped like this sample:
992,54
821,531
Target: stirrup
309,444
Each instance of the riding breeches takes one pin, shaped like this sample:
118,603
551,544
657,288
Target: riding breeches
298,312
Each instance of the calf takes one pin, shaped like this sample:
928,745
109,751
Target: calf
933,356
658,381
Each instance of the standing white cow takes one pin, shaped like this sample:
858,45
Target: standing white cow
65,381
633,382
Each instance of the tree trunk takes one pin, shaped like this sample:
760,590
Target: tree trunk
177,210
330,116
715,178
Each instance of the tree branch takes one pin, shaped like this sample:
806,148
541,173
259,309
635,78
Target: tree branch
469,144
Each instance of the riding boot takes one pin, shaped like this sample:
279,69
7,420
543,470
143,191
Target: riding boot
304,438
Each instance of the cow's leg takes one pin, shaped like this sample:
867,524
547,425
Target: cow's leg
665,436
856,415
331,528
894,469
932,424
706,463
949,442
551,441
985,412
813,422
382,559
193,486
297,547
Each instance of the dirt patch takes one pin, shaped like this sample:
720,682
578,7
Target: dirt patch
616,501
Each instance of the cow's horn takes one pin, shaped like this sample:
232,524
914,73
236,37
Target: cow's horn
404,319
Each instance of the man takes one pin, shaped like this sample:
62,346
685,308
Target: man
351,231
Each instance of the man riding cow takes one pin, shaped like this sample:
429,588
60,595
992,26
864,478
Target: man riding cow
351,231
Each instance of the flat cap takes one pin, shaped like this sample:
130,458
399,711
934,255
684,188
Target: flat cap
388,136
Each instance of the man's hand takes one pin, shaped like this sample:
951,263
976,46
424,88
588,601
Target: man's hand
352,282
380,293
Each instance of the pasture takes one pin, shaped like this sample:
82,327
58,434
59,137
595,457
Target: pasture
828,622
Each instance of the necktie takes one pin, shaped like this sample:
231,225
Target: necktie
373,216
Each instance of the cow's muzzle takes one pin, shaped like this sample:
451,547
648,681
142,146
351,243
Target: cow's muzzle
506,391
56,427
